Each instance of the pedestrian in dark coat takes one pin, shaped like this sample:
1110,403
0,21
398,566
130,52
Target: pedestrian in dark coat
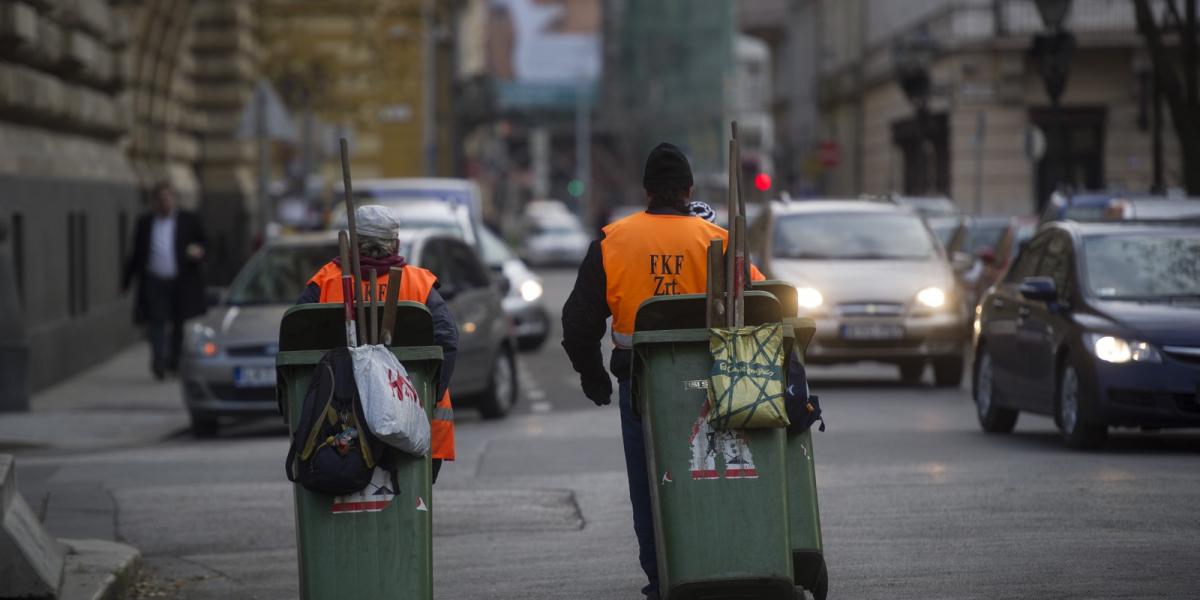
168,254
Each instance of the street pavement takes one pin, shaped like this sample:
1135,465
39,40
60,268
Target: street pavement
916,502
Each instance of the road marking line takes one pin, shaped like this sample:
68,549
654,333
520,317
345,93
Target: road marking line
541,407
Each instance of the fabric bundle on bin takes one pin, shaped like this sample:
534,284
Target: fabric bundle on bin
746,387
393,410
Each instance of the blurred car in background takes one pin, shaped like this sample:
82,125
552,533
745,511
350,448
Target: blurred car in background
228,368
1113,206
875,280
968,247
1095,324
524,303
944,227
927,206
554,240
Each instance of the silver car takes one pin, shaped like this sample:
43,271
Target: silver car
555,240
525,301
875,280
228,367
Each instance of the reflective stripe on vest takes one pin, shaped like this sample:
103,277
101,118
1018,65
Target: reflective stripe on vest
442,428
649,255
414,284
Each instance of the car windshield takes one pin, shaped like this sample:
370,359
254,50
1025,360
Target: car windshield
850,236
278,274
495,251
1144,266
1084,213
983,235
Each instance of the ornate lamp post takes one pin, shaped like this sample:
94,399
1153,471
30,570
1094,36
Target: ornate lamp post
1052,49
1051,52
912,56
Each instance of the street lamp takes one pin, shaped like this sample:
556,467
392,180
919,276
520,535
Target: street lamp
1051,52
912,56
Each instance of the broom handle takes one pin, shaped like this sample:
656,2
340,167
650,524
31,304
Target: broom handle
357,268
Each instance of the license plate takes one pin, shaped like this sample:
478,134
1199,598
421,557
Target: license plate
861,332
246,377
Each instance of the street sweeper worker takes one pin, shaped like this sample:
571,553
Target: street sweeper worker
378,246
661,251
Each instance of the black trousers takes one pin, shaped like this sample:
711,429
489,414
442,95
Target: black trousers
164,326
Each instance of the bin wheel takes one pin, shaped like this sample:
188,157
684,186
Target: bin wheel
204,427
502,394
821,589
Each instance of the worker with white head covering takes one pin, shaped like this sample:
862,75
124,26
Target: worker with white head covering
378,230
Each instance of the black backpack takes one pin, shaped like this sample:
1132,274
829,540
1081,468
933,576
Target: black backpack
332,451
803,409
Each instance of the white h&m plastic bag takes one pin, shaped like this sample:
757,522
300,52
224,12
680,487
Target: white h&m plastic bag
390,403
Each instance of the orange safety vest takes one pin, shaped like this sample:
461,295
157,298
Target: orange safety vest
415,284
655,255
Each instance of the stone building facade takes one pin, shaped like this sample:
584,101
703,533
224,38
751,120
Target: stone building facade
987,97
98,100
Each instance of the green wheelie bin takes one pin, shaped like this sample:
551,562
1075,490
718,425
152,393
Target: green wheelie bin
804,518
719,498
378,543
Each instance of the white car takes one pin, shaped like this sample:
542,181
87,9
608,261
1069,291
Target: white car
557,241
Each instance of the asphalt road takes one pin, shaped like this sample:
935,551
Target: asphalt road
915,501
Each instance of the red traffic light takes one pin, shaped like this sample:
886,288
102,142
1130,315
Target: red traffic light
762,181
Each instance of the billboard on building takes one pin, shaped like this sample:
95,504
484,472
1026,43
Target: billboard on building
542,53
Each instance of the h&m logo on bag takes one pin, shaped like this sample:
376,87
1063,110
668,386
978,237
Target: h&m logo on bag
403,388
665,268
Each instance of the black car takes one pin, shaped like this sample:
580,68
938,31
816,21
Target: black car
1097,325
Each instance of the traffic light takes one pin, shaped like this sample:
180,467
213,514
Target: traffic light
762,181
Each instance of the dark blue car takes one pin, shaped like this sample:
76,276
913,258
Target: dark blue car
1098,325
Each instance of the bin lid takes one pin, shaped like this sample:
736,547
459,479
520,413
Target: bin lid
783,291
681,318
323,326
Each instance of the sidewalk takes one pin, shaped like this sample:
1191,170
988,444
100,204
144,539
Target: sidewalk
117,403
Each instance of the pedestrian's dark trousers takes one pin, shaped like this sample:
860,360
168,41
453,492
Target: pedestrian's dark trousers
639,487
163,324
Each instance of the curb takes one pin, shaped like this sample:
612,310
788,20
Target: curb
97,569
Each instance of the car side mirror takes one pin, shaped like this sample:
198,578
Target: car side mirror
1041,289
503,285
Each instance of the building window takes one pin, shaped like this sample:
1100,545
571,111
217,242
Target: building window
77,271
18,254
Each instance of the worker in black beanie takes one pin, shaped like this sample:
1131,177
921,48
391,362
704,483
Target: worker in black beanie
661,251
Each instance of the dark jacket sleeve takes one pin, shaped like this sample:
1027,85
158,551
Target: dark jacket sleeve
136,261
310,295
445,334
585,316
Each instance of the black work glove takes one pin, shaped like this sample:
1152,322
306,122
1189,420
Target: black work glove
598,388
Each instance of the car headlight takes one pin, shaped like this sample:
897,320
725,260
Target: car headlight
531,290
1115,350
202,340
808,298
932,297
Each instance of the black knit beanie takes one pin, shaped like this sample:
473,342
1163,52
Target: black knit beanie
666,169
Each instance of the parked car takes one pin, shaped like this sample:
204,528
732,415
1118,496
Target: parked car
228,368
1095,324
555,240
874,278
998,259
1113,206
446,190
524,303
944,227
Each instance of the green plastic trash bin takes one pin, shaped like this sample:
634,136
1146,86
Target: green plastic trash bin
719,498
376,544
804,518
